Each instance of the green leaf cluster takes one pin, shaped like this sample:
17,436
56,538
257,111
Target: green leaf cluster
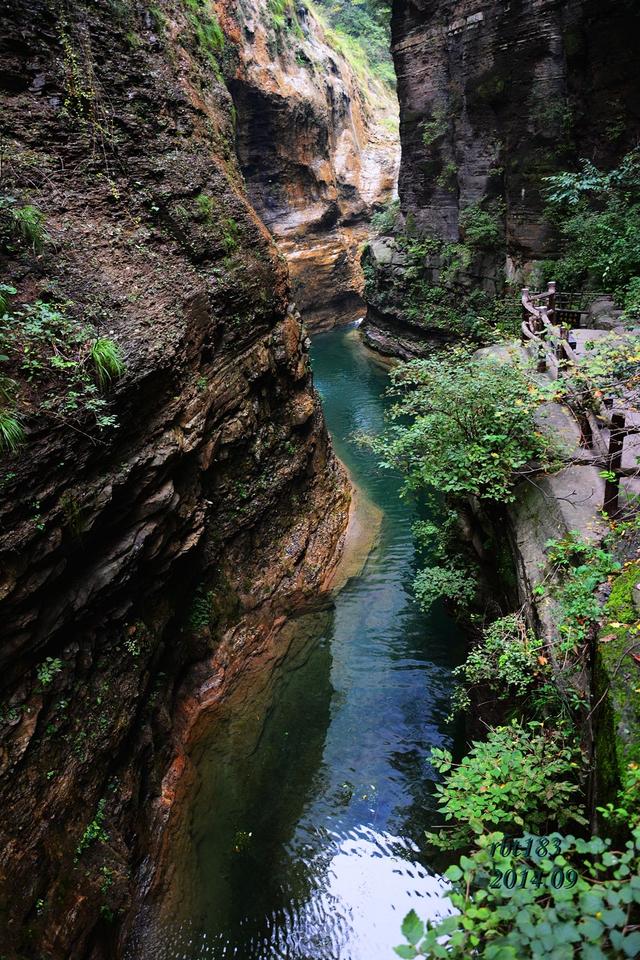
594,919
507,662
48,669
598,216
58,368
95,831
580,568
207,30
481,228
21,226
522,775
462,425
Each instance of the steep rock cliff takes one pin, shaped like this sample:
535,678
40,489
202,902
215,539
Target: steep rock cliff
143,559
317,147
494,97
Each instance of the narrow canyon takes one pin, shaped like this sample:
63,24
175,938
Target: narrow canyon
319,527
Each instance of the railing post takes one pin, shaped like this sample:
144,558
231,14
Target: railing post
552,300
525,312
586,432
614,462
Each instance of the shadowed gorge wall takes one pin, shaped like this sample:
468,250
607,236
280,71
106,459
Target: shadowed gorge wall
493,98
141,562
508,93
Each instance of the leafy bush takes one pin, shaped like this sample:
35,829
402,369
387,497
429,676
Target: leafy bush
384,221
580,567
611,368
48,670
632,301
481,229
51,355
6,291
591,915
29,222
435,127
283,14
598,215
463,425
208,33
508,660
95,830
521,774
205,206
443,582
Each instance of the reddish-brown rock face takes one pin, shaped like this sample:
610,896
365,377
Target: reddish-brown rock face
179,537
317,148
494,96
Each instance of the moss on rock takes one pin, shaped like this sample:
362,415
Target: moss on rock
617,682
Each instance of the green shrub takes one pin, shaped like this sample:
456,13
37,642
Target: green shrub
205,206
44,346
481,228
522,775
598,216
95,830
26,224
107,360
462,425
207,30
580,568
632,301
202,611
279,10
47,670
30,224
587,916
506,661
435,127
447,178
230,235
444,583
6,291
384,220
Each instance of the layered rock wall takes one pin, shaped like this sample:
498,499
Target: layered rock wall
499,95
317,146
493,98
147,558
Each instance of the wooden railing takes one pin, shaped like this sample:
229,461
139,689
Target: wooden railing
553,346
552,342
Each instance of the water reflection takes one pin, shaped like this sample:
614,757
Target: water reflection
304,833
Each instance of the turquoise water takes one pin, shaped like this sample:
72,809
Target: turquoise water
313,791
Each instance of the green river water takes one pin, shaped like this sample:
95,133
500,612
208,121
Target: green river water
313,791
